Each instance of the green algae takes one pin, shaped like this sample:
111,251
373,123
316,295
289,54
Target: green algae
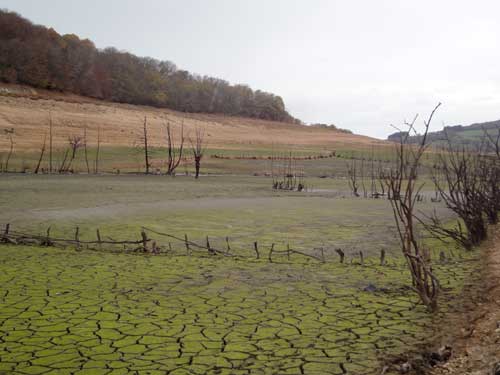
84,312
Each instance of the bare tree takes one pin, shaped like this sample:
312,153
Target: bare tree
363,176
85,149
401,182
98,149
50,142
145,143
468,181
10,136
75,142
198,148
493,141
42,152
461,189
64,166
174,154
353,178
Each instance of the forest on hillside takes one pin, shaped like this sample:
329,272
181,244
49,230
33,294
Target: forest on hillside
38,56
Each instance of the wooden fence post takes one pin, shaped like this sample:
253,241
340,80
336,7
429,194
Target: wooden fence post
288,251
256,248
47,239
6,233
186,242
228,246
77,237
361,257
144,237
271,253
322,254
98,239
382,257
210,250
341,254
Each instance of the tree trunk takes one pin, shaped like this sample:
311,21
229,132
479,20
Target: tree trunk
197,167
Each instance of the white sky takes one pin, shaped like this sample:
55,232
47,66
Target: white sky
361,65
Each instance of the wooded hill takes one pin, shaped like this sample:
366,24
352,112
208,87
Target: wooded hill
38,56
458,134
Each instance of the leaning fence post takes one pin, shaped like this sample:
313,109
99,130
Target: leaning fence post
271,253
256,248
144,240
47,240
6,232
361,257
98,238
77,237
382,257
186,242
341,254
210,250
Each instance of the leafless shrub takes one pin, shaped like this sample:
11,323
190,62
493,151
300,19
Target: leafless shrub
402,184
198,149
174,153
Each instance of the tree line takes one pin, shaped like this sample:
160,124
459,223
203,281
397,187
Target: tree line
38,56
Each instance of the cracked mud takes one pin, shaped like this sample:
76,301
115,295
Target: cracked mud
63,312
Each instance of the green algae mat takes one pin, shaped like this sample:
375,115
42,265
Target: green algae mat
69,312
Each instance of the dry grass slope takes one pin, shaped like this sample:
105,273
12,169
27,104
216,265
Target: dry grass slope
27,111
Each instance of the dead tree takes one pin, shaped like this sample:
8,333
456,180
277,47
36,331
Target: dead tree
402,183
64,166
145,142
85,149
174,153
198,148
98,149
489,172
50,142
363,176
490,175
75,142
461,189
42,152
10,136
493,141
353,178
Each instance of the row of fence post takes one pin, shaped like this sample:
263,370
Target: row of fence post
145,240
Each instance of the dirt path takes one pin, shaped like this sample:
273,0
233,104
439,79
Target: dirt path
478,348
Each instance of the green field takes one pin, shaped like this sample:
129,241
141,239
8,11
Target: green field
96,312
246,209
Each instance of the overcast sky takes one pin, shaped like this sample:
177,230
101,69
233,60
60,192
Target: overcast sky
361,65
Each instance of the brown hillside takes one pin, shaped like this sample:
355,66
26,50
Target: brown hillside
27,111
